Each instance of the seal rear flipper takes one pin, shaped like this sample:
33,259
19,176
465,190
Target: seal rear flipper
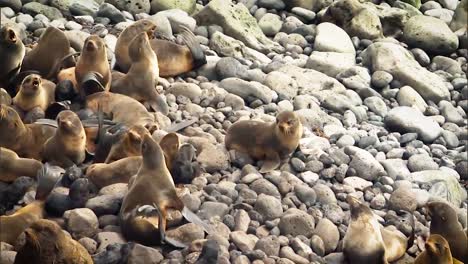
198,55
272,162
55,108
193,218
179,126
47,179
158,104
92,83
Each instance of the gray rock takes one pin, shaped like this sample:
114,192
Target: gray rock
230,47
7,256
446,64
189,90
213,158
212,209
407,96
35,8
345,140
111,12
448,188
164,26
331,38
76,7
89,244
421,162
451,113
272,4
161,5
450,138
430,34
329,233
230,67
318,246
76,38
13,4
376,105
282,84
396,168
81,222
238,23
108,238
140,254
407,119
324,194
403,199
245,242
459,19
378,202
397,61
296,222
357,183
270,24
242,220
288,253
179,18
266,187
268,206
306,194
381,79
270,245
330,63
187,233
132,6
443,14
306,14
364,163
246,89
104,204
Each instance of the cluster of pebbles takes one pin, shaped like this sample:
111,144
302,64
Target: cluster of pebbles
380,86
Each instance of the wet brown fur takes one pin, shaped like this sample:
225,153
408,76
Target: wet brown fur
35,92
12,166
12,52
437,252
120,171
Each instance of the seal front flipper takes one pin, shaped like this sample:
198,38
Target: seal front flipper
271,162
92,83
198,55
193,218
158,104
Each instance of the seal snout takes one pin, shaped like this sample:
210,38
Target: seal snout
91,45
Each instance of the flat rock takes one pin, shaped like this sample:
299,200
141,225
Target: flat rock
212,209
282,84
108,238
296,222
247,89
407,96
186,233
330,63
245,242
140,254
407,119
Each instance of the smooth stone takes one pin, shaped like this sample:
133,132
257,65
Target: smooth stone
296,222
268,206
403,199
329,233
407,96
331,38
364,163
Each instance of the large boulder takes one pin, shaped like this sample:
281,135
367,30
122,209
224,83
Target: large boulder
161,5
237,23
35,8
400,63
230,47
132,6
430,34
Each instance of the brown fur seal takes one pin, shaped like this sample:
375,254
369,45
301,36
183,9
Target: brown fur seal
270,142
47,56
142,77
170,146
12,52
92,67
68,145
444,222
173,59
120,171
437,252
26,140
152,185
46,243
12,166
34,92
123,109
128,145
366,241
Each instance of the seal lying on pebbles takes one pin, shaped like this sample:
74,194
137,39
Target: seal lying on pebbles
57,203
26,140
68,145
173,59
128,145
444,222
92,71
437,252
270,142
46,243
48,55
120,171
185,167
12,52
142,77
34,92
12,166
366,241
14,192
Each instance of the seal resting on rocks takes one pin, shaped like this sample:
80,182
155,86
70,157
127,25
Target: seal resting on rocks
46,243
119,171
14,192
12,52
269,142
13,167
34,92
437,252
57,203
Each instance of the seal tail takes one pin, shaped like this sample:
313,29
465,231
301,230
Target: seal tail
198,55
48,177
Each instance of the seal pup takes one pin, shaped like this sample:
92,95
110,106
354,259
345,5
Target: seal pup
185,167
12,52
46,243
209,252
92,71
14,192
270,142
48,55
34,92
119,171
444,222
26,140
13,167
68,145
437,252
142,77
173,59
170,146
57,203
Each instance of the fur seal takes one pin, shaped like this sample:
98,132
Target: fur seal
12,52
68,145
34,92
12,166
437,252
92,71
128,145
26,140
48,55
5,97
270,142
444,222
57,203
46,243
120,171
142,77
170,146
173,59
185,167
209,252
123,109
152,184
14,192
